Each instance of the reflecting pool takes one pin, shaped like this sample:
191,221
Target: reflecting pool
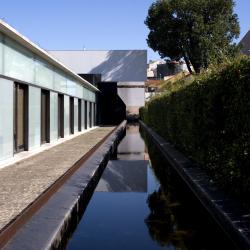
140,203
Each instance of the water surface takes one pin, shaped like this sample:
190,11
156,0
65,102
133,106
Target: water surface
130,209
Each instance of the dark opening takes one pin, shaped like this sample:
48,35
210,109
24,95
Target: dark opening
92,78
60,116
79,115
94,106
45,116
20,117
111,108
71,115
90,114
85,115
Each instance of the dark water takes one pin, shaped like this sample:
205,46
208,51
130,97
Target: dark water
133,209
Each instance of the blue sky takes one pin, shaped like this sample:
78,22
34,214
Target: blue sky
90,24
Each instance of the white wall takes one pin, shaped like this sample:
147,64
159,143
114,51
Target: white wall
53,116
75,115
132,97
6,119
83,115
113,65
66,116
34,117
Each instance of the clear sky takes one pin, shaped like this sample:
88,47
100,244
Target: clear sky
90,24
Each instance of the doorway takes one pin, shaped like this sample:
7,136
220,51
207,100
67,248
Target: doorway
85,115
71,115
79,115
45,116
90,115
20,117
60,116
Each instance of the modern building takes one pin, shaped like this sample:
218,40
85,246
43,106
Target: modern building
245,44
41,100
119,74
152,69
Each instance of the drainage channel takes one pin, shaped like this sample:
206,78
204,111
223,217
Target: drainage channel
50,219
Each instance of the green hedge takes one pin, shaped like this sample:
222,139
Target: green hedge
209,120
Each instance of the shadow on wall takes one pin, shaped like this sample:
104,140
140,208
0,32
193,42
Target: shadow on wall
123,65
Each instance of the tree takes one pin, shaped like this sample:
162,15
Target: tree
200,31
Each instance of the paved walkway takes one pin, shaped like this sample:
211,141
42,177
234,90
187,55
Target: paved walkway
22,182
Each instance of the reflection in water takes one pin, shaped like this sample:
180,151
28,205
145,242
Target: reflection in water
124,176
176,216
144,207
128,173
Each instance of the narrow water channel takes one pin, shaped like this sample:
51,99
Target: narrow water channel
141,204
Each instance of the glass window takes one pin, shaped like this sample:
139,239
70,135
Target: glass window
18,61
44,74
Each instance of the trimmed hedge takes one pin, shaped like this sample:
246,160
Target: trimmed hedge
209,120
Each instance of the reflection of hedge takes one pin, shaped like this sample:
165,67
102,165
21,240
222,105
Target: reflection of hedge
209,120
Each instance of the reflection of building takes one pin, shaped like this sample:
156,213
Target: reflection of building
245,43
41,100
122,75
128,173
132,146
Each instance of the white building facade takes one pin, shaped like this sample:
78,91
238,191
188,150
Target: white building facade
128,68
41,100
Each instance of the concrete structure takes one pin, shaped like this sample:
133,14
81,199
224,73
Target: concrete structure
126,68
41,100
245,43
170,68
152,68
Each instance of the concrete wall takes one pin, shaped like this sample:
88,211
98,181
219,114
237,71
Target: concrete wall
126,67
113,65
132,94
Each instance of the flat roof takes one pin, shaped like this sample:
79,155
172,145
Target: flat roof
15,35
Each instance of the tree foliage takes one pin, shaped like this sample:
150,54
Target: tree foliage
200,31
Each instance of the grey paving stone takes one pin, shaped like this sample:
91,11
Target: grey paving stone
22,182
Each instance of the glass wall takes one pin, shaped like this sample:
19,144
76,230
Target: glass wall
6,119
34,117
44,75
53,116
1,53
83,115
19,63
75,115
66,116
23,66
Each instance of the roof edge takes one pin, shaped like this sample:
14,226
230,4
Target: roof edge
15,35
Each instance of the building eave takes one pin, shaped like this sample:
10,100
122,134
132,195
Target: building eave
15,35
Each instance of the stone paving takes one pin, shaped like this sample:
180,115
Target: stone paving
22,182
